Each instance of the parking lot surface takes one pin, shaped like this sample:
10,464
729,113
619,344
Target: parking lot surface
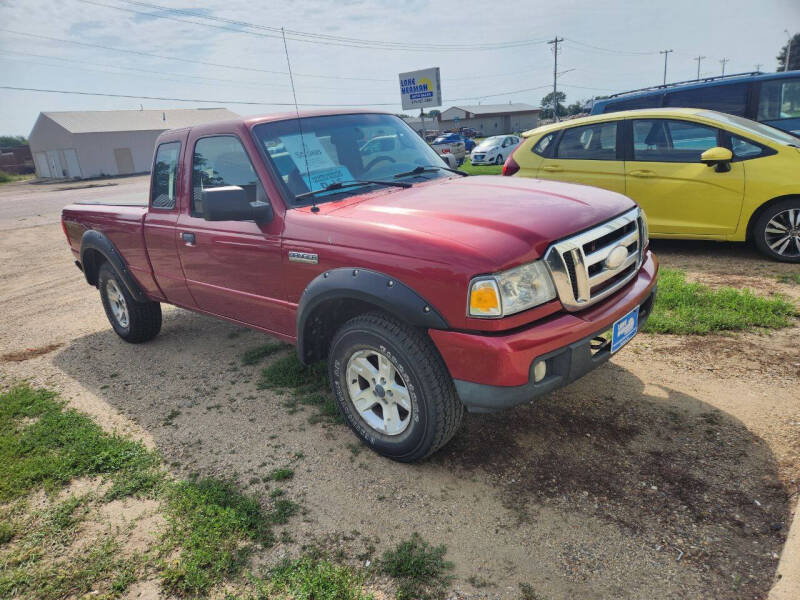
670,472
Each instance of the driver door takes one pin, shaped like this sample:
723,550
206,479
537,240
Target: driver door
232,268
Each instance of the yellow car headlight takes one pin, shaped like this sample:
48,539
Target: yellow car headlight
511,291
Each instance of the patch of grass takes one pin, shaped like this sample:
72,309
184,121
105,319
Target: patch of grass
6,532
693,308
419,568
307,384
9,177
289,373
790,278
527,592
215,527
44,444
280,474
311,578
468,167
259,353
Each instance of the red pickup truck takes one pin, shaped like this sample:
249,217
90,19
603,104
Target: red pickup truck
427,291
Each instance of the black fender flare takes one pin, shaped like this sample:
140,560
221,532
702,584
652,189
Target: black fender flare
99,242
365,285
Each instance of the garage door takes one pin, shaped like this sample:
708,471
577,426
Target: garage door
73,167
124,160
42,168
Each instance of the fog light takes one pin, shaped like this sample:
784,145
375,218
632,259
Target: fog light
539,371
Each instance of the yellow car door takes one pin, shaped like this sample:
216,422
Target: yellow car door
679,194
587,154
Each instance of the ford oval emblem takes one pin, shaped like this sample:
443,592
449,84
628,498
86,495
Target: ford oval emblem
616,257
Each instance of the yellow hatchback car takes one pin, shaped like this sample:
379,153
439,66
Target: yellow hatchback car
698,174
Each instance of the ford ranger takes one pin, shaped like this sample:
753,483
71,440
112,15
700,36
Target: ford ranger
428,292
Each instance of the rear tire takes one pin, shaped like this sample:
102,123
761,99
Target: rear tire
776,233
393,387
133,321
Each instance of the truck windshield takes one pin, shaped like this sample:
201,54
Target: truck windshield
343,148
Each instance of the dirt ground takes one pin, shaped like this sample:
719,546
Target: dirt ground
670,472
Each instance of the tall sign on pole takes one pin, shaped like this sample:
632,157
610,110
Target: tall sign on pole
421,89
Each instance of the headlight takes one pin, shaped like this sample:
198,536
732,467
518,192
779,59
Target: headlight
511,291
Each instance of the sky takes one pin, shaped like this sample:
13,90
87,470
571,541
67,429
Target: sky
228,51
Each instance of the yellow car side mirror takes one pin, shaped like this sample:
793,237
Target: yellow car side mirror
717,157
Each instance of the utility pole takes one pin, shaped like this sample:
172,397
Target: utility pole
698,59
724,62
555,41
665,53
758,67
788,50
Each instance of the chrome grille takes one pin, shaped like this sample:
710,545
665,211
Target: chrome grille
582,266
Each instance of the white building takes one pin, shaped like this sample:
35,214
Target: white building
491,119
87,144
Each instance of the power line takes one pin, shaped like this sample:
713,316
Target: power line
611,50
254,103
184,60
303,36
149,72
197,100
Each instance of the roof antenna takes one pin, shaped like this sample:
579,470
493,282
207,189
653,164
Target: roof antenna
314,207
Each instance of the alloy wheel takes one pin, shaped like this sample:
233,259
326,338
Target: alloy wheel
119,308
378,392
782,233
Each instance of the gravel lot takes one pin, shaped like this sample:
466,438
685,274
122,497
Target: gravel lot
670,472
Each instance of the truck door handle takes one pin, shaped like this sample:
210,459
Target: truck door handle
551,168
642,173
188,238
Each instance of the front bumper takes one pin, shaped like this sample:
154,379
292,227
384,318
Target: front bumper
492,372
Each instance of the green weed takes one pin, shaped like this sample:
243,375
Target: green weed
419,568
693,308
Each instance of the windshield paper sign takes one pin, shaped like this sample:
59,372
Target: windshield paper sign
421,89
321,171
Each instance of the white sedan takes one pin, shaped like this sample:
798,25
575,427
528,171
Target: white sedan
493,150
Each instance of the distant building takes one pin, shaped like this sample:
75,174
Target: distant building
16,160
87,144
491,119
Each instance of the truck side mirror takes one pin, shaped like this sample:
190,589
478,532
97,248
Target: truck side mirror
717,157
230,203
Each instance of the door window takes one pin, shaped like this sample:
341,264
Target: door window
728,98
543,144
661,140
779,99
222,161
744,149
165,175
590,142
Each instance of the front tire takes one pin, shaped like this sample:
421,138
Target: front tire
393,387
133,321
499,159
776,233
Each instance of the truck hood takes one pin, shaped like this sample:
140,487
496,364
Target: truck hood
499,220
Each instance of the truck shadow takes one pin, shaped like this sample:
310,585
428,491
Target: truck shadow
671,470
674,471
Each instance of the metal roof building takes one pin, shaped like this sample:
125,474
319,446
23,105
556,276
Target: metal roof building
491,119
86,144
